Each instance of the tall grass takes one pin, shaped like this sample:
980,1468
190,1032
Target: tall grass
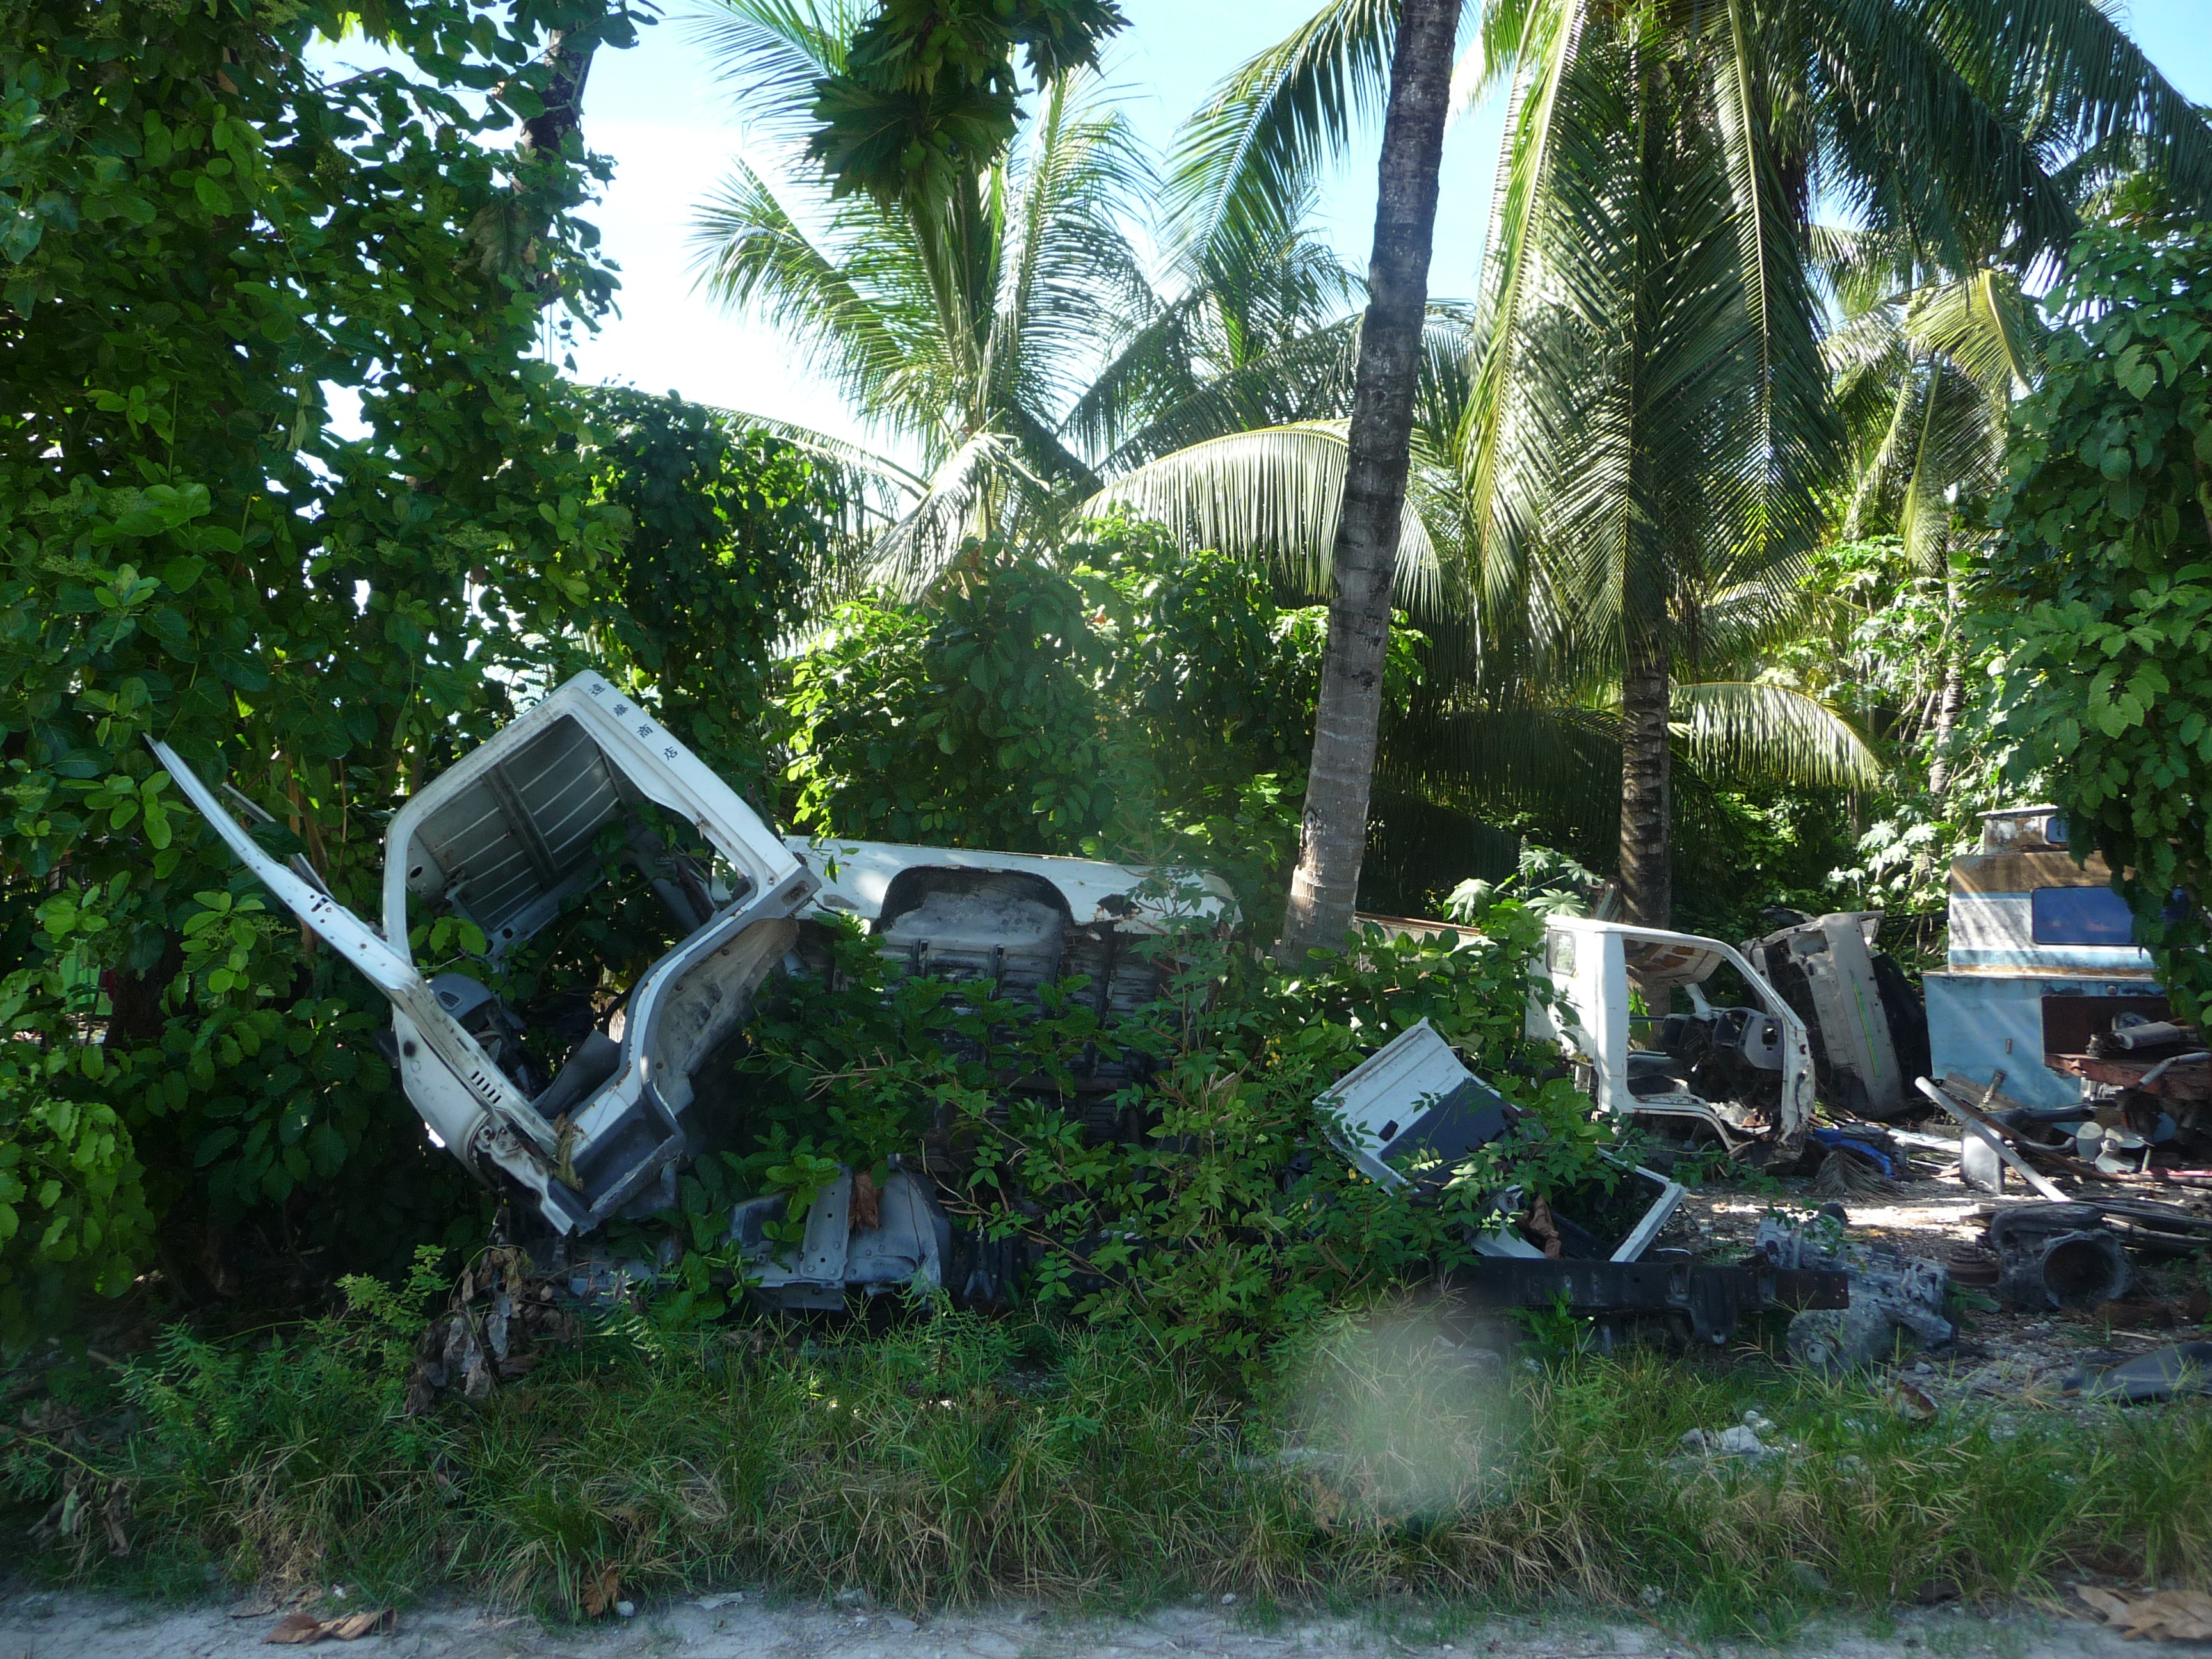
955,1459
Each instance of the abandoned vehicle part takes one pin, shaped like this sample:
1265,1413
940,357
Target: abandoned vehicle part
1889,1293
1411,1112
1756,1061
907,1241
1867,1029
2041,956
2146,1037
2179,1368
502,839
1015,922
2058,1255
1706,1302
1978,1127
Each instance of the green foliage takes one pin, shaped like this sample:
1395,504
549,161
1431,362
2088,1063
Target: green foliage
72,1198
729,525
2100,595
927,97
1139,703
1228,1222
1548,882
201,235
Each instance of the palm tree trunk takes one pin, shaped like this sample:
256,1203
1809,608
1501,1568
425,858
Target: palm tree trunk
1325,887
1953,698
1946,721
1647,756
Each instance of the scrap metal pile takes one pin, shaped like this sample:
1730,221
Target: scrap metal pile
585,1111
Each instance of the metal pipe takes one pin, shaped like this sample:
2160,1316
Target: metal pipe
2159,1070
2032,1177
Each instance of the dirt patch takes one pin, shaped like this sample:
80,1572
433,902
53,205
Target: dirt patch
2002,1352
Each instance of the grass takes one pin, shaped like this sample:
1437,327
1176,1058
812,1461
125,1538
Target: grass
954,1459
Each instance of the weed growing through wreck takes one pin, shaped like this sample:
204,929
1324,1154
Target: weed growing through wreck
1167,1167
953,1459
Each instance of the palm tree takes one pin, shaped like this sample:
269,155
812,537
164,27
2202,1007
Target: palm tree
1926,369
1508,723
1649,423
1378,440
1006,329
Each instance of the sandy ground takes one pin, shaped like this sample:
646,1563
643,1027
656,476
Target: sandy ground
44,1625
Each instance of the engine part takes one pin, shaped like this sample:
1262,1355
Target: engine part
1889,1293
2058,1255
2148,1038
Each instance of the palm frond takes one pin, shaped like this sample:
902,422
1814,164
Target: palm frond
1984,325
956,506
1242,160
753,255
1070,282
1749,729
2070,77
1272,495
771,52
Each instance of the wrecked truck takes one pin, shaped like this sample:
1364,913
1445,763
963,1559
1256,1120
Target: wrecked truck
521,826
1738,1075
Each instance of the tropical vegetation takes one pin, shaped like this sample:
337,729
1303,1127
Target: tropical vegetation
1822,459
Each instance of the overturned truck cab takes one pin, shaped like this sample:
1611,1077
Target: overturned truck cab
502,840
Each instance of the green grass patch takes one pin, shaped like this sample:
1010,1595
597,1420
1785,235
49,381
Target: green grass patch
954,1459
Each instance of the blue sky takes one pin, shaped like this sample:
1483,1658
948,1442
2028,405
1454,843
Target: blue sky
673,132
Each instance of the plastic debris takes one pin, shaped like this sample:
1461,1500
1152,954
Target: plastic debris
2179,1368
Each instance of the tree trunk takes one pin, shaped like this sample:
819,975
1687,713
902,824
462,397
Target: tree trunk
1647,757
568,55
1946,721
1325,887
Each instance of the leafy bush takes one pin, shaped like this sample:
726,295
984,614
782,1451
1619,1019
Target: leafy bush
1133,701
2100,595
1227,1223
730,528
200,235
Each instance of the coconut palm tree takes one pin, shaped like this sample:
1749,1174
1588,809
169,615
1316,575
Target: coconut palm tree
1512,719
1927,367
1649,423
1378,438
1005,329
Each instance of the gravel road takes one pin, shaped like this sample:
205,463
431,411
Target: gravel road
46,1625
